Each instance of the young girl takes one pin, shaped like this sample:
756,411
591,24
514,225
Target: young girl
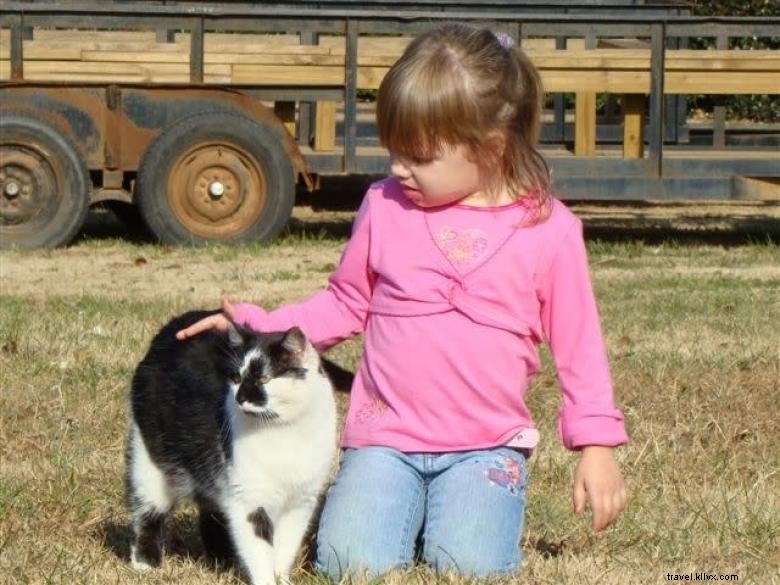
459,265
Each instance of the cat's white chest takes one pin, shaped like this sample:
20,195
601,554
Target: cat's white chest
282,465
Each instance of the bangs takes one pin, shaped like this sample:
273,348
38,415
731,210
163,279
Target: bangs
422,107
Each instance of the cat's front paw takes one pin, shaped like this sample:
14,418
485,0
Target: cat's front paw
139,562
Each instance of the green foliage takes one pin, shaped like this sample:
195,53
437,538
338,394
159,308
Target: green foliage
758,108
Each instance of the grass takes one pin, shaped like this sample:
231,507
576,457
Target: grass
694,343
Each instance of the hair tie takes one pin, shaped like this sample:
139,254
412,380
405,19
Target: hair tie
504,39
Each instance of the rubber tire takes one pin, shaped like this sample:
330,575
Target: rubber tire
72,182
268,152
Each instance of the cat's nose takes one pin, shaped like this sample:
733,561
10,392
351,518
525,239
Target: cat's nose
252,394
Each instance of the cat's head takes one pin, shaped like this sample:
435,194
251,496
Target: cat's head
277,376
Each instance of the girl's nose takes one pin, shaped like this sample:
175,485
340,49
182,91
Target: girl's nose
399,169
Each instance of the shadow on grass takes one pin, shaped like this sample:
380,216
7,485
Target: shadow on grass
547,548
683,223
686,225
182,540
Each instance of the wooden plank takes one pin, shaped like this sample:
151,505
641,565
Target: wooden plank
94,35
676,82
45,48
325,126
683,59
723,82
585,124
762,188
266,48
303,75
223,58
368,44
370,77
114,72
633,126
572,80
239,39
135,56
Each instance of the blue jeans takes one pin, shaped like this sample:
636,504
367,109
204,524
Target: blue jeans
458,511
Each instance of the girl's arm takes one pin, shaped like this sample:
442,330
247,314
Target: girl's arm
588,419
328,316
570,322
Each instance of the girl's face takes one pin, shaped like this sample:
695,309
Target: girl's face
449,177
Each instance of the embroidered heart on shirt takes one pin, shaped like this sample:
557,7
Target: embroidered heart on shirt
462,245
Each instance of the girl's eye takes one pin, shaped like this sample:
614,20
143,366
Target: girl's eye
235,377
422,161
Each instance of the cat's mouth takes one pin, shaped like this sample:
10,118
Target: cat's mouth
261,412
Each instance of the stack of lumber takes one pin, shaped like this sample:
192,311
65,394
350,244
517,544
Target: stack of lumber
257,59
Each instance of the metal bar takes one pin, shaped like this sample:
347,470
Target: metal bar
305,109
720,167
643,189
17,47
108,22
683,134
196,50
350,104
719,111
445,4
721,27
656,122
516,31
295,93
559,102
281,25
165,35
256,9
670,118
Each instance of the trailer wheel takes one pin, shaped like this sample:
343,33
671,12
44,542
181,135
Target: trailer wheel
216,176
44,184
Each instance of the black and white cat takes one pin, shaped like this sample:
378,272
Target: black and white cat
244,423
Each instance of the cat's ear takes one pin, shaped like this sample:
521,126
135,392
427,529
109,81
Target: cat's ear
296,342
234,336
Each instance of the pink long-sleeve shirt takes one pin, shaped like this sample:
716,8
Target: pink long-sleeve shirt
453,302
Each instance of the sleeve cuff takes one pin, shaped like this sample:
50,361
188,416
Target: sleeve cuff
579,426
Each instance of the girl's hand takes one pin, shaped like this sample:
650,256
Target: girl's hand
220,322
598,477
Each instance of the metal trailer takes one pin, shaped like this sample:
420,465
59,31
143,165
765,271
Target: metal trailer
212,163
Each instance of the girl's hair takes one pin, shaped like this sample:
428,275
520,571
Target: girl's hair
457,85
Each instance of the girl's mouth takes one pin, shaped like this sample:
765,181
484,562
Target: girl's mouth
411,192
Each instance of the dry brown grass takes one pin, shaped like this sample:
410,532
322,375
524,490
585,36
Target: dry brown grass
693,333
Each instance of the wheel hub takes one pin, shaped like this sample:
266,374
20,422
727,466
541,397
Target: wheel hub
216,190
27,185
12,189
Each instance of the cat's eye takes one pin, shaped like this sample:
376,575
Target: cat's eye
297,372
265,379
235,377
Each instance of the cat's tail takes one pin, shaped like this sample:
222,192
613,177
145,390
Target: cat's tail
340,377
